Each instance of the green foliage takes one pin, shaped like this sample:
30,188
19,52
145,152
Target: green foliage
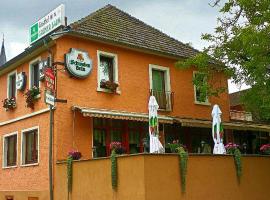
69,173
183,159
241,42
238,162
114,170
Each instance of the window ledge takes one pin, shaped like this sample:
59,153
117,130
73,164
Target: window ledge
29,165
99,89
38,96
202,103
9,167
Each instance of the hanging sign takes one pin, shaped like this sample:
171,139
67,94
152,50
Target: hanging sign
21,81
49,80
49,99
78,63
47,24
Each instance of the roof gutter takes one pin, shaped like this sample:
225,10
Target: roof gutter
27,54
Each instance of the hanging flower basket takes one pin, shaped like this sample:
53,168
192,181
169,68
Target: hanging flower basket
9,104
265,149
31,96
109,85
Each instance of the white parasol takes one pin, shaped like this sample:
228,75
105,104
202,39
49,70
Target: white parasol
155,145
217,131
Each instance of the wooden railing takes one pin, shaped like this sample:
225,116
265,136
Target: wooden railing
240,115
164,99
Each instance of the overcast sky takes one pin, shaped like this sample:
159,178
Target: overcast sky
184,20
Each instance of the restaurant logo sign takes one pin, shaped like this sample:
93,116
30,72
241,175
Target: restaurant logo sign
47,24
78,63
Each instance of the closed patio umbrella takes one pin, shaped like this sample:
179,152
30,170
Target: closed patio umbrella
155,145
217,131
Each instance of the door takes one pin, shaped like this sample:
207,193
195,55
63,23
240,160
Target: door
158,87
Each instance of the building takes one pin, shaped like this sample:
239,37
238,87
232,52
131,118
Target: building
115,62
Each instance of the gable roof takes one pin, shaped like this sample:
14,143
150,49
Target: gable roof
111,23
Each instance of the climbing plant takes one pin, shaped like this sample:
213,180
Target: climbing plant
69,173
233,149
183,159
238,162
114,169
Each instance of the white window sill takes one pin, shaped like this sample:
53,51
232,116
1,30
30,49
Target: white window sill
9,167
202,103
29,165
99,89
38,96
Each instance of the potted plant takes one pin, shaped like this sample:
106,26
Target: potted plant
109,85
9,103
117,147
31,96
175,145
233,149
265,149
72,155
75,154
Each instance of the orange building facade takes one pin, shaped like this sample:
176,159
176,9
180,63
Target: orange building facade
95,114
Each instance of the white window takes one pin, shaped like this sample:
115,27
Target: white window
30,146
107,72
34,73
200,94
160,86
10,150
11,85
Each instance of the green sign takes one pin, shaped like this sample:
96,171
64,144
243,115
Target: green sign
47,24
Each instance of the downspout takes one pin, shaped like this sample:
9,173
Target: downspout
51,133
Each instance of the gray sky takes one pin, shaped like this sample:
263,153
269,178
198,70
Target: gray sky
184,20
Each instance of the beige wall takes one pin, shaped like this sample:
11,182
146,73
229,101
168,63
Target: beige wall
156,177
25,195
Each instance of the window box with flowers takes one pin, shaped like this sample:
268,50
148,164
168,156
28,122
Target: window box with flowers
31,96
9,103
108,85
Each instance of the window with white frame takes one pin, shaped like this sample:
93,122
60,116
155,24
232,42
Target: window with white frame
200,94
11,82
30,146
10,150
34,74
107,71
160,86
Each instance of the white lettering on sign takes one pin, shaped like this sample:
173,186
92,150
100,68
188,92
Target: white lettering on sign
78,63
47,24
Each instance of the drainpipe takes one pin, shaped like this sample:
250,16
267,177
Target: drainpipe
50,134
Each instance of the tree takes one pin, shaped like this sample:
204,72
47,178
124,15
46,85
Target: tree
241,42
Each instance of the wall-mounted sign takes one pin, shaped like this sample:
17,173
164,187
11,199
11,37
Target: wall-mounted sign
78,63
49,99
47,24
49,80
21,81
43,64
